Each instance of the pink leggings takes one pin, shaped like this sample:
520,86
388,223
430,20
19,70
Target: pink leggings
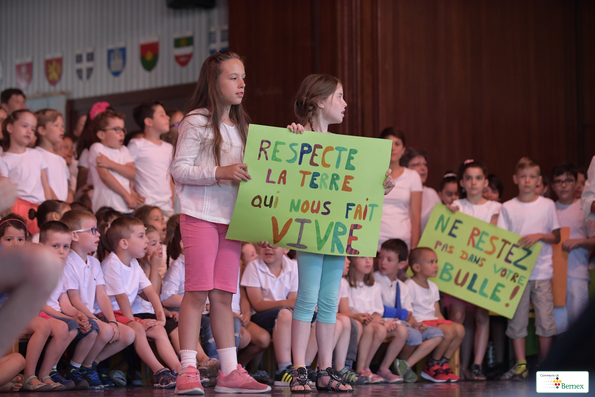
212,261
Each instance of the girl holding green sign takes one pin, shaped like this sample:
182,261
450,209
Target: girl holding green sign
319,104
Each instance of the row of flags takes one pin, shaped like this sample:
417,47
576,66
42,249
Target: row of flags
84,60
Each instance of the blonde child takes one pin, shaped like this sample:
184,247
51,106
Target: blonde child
421,339
110,164
534,218
319,104
50,132
449,188
24,167
365,305
426,309
124,280
85,286
153,216
472,181
152,157
207,168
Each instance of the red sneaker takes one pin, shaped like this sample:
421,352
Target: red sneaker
188,382
448,372
434,373
239,381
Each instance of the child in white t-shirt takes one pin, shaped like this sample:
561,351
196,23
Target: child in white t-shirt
152,157
535,219
124,280
364,303
110,164
271,283
401,212
24,167
85,286
582,239
426,309
50,131
472,180
421,339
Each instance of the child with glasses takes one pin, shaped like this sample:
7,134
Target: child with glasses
111,165
83,281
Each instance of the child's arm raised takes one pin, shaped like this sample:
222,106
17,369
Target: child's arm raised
127,170
111,182
260,305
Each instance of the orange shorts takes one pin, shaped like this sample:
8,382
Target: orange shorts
21,207
436,323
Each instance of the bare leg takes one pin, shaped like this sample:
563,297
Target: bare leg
61,338
545,343
40,330
449,335
459,333
127,336
259,342
423,350
282,336
519,348
164,347
399,337
325,337
482,334
379,335
142,347
10,366
342,344
245,338
174,337
312,348
191,309
221,319
363,347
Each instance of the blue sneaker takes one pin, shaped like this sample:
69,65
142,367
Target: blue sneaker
103,377
92,377
74,374
56,377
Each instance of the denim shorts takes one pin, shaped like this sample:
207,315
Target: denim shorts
72,325
431,333
413,335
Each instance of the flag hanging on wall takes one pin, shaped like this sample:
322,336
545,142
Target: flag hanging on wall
116,59
183,48
53,68
24,73
84,62
149,53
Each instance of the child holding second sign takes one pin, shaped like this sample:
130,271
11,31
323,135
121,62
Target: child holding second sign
472,182
533,217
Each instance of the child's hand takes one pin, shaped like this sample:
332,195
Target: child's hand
174,315
155,260
264,244
148,323
245,320
116,329
131,201
235,172
363,318
388,184
530,239
104,162
452,208
570,245
296,128
391,325
139,199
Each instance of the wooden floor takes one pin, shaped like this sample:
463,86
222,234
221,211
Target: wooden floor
425,389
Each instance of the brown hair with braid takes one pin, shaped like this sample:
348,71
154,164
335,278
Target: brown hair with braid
314,89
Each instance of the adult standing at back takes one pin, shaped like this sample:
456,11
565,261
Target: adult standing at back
401,213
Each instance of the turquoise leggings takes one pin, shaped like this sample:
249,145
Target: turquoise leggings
319,282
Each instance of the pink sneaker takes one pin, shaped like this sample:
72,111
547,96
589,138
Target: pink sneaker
239,381
188,382
389,377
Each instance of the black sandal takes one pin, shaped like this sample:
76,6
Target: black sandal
477,373
300,378
338,381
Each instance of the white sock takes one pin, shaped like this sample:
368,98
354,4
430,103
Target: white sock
229,360
75,365
188,358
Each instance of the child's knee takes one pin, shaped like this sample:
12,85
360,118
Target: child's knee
127,335
379,331
402,331
284,317
338,328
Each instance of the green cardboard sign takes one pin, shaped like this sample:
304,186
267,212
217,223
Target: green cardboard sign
312,192
479,262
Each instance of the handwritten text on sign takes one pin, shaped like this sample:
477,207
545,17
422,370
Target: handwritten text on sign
312,192
477,261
